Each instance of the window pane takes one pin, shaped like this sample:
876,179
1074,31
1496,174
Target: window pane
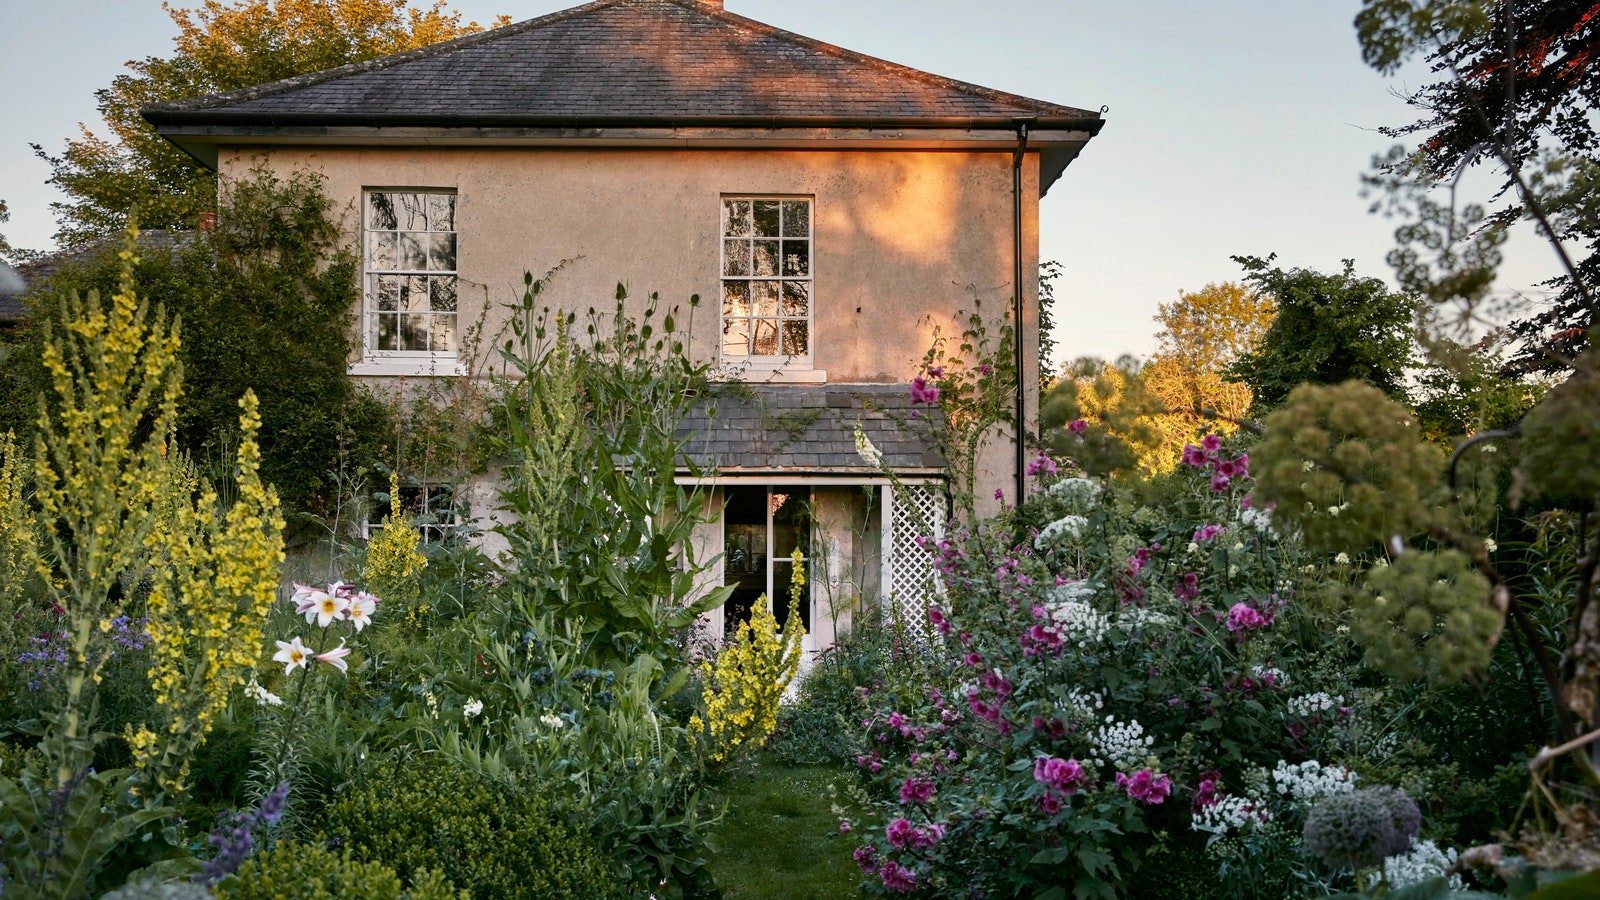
794,338
443,293
386,327
765,297
766,338
766,212
736,218
412,256
736,337
413,331
736,298
444,334
414,293
386,292
736,257
380,213
796,298
766,258
796,218
442,252
442,212
412,210
797,258
381,252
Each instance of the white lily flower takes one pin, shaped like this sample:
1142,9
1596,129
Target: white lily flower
360,610
325,608
292,654
335,657
472,708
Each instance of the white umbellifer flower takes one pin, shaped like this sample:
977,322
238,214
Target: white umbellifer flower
1334,511
1307,466
1231,813
1280,678
1192,548
1422,862
1311,704
869,453
472,708
553,720
1079,622
1066,528
1084,706
1073,592
1310,781
1145,617
1490,545
1081,493
1342,559
261,695
1124,744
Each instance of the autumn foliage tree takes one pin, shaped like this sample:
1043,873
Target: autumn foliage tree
1202,333
219,47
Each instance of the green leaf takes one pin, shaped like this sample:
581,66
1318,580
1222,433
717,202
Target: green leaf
1569,887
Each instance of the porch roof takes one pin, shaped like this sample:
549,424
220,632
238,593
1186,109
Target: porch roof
744,429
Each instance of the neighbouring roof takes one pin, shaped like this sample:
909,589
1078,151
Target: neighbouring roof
660,65
803,430
12,287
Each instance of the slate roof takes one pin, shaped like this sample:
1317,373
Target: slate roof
801,429
618,60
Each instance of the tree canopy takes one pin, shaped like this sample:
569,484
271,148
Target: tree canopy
1518,89
1202,333
1329,329
219,47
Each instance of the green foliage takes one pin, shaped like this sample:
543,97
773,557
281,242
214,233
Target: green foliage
1100,419
815,728
221,47
602,533
491,839
1346,464
1329,329
265,301
295,871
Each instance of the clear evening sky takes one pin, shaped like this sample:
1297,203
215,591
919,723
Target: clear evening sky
1234,126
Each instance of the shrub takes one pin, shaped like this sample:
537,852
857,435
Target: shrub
816,727
493,839
295,871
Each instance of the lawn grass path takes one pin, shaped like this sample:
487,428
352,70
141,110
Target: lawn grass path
780,838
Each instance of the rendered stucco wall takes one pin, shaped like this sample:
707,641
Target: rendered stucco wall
904,241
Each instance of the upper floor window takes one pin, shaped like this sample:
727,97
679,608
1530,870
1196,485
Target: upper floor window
766,280
410,274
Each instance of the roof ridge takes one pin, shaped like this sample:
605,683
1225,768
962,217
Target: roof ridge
379,63
879,63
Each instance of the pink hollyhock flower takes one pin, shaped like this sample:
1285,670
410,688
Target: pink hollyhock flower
922,392
1042,465
936,617
898,832
1193,456
1077,426
1211,442
972,660
937,371
916,790
867,858
1048,803
1145,786
897,878
1064,775
1219,484
1242,617
1207,533
844,826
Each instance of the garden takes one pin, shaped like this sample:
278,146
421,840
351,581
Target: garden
1313,616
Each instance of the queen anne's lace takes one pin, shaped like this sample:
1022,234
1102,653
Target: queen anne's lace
1078,492
1231,813
1079,622
1421,863
1066,528
1310,781
1123,744
1312,704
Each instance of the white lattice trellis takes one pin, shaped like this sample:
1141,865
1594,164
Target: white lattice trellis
910,581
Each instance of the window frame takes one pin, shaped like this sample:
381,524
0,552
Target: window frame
376,361
798,365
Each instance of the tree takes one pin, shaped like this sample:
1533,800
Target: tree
218,48
1519,89
1329,329
5,246
1202,334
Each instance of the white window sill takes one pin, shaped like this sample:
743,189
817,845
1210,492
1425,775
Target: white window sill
442,367
764,375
